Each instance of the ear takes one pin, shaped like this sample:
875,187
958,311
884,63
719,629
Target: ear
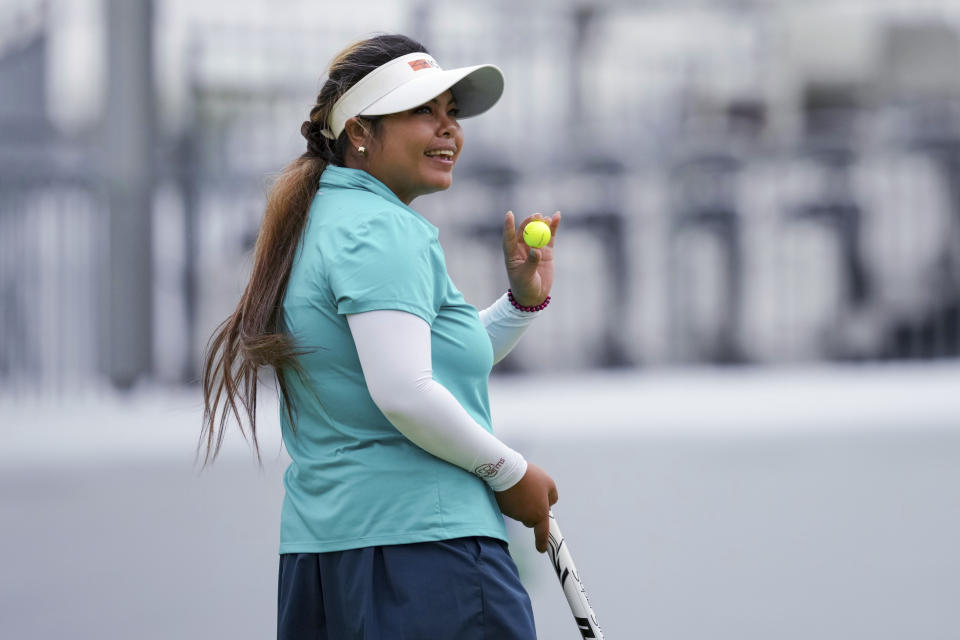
357,132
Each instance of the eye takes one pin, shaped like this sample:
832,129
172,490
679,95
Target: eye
423,109
454,112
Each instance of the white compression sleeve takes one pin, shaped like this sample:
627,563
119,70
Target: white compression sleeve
394,351
505,324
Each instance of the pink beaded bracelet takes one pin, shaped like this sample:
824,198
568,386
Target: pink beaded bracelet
539,307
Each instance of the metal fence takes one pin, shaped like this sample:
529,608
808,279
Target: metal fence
52,230
716,245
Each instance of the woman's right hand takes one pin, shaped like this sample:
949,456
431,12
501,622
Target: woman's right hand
529,502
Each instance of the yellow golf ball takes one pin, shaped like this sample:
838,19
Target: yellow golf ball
536,234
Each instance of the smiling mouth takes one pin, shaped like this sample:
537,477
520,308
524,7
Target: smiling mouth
443,156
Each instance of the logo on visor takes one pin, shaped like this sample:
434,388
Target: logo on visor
422,63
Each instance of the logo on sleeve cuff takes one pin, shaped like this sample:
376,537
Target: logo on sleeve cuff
489,470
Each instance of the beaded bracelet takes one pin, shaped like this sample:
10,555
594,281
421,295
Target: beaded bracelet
539,307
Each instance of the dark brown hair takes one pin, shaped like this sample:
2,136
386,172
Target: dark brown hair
253,336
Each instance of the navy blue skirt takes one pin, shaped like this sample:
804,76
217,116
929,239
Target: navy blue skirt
460,589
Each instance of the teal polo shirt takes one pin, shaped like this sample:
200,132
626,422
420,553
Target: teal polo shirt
354,480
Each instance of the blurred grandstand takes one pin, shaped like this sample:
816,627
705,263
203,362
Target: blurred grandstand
742,182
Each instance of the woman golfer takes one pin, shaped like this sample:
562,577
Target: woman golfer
391,525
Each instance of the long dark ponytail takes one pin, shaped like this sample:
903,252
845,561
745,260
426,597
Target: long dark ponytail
252,337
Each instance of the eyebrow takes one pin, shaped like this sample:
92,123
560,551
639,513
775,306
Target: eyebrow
435,101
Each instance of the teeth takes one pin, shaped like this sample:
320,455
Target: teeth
443,152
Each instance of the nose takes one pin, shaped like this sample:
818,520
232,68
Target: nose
448,125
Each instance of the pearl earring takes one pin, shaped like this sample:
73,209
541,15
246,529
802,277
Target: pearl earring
362,150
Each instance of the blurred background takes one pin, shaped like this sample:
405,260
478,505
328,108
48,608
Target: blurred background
750,367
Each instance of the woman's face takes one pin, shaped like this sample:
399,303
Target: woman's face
416,149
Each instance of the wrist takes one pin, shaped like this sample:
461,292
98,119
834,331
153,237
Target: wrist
509,474
524,306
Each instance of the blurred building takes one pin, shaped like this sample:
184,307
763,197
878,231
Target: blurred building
742,182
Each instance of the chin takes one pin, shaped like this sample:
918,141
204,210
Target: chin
441,185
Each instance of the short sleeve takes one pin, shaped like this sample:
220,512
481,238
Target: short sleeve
385,262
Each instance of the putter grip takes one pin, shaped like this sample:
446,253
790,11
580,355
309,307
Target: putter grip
570,582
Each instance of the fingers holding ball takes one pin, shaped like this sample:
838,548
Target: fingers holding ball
536,234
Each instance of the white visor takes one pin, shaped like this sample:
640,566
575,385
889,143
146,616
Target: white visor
412,80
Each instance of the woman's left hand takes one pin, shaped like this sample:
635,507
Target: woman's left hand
530,271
